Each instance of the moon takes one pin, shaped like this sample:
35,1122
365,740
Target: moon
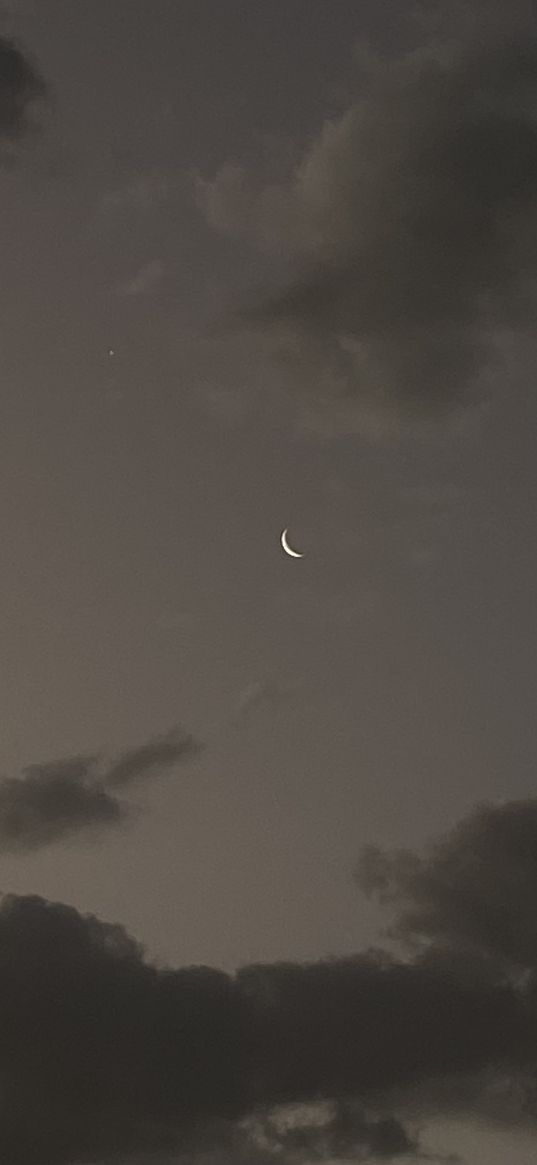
286,546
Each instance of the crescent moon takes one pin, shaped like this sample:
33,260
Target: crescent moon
286,546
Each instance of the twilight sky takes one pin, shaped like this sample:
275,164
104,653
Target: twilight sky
268,832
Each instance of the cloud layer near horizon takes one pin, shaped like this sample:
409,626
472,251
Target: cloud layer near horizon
105,1056
410,224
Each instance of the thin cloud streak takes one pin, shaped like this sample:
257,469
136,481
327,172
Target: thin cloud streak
156,755
145,281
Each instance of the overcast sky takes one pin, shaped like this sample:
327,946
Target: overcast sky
268,264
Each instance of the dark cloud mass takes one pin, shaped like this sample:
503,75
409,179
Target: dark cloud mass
106,1057
51,801
476,889
21,87
411,225
60,798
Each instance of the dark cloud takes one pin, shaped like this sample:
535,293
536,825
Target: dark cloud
162,752
347,1133
75,769
102,1055
475,890
369,1024
106,1057
471,899
21,87
411,225
58,799
53,801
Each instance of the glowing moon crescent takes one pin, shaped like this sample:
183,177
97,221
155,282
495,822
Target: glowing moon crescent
286,546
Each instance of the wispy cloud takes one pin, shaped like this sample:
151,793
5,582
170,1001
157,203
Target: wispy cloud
145,280
156,755
52,801
267,693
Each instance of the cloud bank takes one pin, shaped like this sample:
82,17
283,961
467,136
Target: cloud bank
410,224
105,1057
58,799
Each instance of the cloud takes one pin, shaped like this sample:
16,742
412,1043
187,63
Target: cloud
345,1132
409,224
52,801
159,753
475,890
263,694
21,88
227,202
301,1134
106,1057
145,279
56,800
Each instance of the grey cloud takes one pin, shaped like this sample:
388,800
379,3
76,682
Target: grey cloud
336,1060
21,87
301,1134
410,223
475,889
263,693
159,753
57,799
71,768
106,1057
347,1134
234,203
50,802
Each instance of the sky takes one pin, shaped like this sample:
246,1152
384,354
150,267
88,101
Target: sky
268,826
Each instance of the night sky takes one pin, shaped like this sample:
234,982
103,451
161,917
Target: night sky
268,826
